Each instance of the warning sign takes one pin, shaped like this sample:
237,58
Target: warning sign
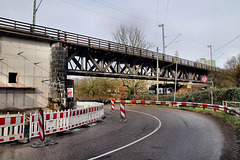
69,92
204,79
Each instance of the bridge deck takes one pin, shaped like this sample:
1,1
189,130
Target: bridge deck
17,28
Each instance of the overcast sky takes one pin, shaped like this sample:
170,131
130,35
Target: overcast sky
200,22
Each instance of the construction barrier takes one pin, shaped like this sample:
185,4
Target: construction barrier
122,111
11,127
64,120
53,122
41,125
179,104
112,104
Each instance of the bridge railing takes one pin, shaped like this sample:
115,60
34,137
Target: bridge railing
26,29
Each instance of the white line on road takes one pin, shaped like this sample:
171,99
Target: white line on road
118,149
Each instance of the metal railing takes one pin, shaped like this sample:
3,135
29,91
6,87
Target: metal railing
56,35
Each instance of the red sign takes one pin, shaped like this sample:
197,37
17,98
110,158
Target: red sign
69,92
204,79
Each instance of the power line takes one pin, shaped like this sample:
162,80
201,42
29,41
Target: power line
166,12
156,34
227,43
126,12
172,40
220,56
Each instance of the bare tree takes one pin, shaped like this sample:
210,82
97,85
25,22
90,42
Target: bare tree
230,77
233,63
134,37
233,67
134,87
131,36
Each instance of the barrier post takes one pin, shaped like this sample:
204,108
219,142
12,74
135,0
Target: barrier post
41,124
112,103
42,132
122,113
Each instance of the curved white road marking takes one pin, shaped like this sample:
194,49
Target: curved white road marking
118,149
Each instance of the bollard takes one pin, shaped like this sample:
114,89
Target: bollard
122,113
112,103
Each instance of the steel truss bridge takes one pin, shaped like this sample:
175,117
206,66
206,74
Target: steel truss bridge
89,56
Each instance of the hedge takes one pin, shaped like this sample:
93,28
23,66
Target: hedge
219,95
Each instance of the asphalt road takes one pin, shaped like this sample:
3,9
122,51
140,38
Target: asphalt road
150,133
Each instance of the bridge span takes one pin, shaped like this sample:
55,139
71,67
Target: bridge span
35,61
89,56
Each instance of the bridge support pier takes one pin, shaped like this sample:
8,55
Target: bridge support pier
58,76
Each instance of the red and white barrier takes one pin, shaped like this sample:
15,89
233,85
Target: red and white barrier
11,127
64,120
187,104
122,111
112,104
41,125
80,117
53,122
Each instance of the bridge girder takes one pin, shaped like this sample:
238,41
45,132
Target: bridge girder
86,61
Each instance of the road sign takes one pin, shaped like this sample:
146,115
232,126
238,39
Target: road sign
69,92
204,79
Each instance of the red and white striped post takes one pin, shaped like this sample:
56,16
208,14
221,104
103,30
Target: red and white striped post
112,103
41,124
122,112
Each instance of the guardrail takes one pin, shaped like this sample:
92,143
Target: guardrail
226,109
51,34
11,127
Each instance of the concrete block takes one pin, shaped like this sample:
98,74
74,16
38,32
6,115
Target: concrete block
38,82
29,100
28,82
18,99
28,73
38,69
3,97
28,68
10,99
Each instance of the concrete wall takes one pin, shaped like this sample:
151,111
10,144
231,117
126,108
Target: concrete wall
32,67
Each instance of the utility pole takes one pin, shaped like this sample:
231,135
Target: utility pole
163,37
175,87
157,75
210,46
212,92
34,12
162,25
